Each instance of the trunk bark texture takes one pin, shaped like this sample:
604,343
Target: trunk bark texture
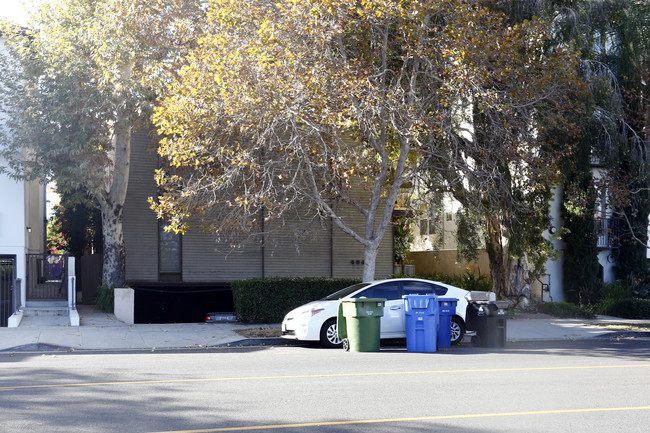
111,203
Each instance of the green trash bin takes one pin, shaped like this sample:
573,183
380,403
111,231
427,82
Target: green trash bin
359,323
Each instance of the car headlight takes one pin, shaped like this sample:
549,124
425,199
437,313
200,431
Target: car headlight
312,312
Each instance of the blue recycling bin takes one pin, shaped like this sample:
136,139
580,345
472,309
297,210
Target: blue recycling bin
446,308
421,314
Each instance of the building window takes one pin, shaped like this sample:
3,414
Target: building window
427,227
424,227
169,255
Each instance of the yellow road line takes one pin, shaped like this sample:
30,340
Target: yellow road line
315,376
412,419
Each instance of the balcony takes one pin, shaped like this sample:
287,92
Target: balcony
608,232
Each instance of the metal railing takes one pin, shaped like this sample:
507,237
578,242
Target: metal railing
608,232
7,289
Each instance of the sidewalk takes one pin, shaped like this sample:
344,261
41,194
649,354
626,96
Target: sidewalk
102,331
99,330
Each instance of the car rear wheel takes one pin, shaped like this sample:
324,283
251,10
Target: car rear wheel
329,336
457,330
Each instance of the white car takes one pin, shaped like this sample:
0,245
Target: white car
316,321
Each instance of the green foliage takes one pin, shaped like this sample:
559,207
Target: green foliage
468,235
629,308
80,220
268,300
568,310
467,281
580,265
402,238
105,299
57,242
639,287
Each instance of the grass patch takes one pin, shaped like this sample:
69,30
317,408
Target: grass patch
634,327
566,310
259,332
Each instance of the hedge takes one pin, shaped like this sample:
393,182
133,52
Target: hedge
568,310
268,300
630,308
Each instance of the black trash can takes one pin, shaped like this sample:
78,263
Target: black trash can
502,322
488,320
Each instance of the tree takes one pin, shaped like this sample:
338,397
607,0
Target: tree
290,104
613,37
501,157
76,84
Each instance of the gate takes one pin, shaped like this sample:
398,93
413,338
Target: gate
47,277
8,302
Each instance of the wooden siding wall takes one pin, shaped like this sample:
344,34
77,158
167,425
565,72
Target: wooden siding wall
206,260
320,251
298,248
140,223
349,254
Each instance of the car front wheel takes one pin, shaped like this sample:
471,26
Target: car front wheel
329,336
457,330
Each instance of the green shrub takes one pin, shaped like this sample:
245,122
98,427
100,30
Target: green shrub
105,300
268,300
568,310
629,308
469,281
610,294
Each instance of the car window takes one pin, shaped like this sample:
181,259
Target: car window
423,288
389,291
345,292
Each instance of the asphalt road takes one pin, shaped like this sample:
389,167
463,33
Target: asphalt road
577,386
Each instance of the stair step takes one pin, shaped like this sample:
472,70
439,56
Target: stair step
42,311
46,304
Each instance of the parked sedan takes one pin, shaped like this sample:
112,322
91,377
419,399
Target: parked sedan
316,321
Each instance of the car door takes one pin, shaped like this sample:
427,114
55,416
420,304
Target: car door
392,322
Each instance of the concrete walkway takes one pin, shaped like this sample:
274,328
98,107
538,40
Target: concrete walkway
99,330
102,331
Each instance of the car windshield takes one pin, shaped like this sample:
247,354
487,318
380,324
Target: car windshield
345,292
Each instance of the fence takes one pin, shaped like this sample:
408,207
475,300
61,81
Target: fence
9,296
47,277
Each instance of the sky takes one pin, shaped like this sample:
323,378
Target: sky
15,9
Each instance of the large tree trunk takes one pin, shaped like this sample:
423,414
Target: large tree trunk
369,262
510,277
111,203
519,283
497,257
113,274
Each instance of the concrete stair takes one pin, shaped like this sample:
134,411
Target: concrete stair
48,313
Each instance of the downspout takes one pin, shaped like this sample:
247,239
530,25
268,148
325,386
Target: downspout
263,242
331,248
45,217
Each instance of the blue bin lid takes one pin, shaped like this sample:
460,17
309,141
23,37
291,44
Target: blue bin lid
419,301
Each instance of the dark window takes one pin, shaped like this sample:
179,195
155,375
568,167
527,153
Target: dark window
169,254
345,292
423,288
389,291
424,227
